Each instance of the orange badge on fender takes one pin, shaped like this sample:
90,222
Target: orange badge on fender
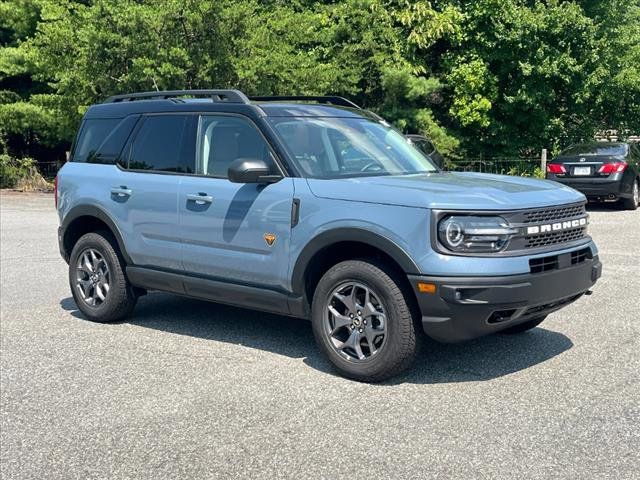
270,238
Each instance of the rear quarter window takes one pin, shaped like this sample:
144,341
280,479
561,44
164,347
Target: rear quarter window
109,151
93,133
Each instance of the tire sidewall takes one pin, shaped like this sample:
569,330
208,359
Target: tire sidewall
101,244
630,203
343,273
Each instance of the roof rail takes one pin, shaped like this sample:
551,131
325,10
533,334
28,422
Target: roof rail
333,100
229,96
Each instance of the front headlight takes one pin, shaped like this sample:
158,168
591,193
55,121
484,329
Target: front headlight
469,234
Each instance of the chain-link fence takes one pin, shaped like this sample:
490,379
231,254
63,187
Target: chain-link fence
526,167
49,169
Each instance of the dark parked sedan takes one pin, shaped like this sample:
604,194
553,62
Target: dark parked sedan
603,171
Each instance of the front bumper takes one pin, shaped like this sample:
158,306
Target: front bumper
463,308
595,188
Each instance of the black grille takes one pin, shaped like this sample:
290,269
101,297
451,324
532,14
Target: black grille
547,216
553,238
580,256
554,262
539,265
555,213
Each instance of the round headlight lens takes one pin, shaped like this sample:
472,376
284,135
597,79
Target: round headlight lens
455,233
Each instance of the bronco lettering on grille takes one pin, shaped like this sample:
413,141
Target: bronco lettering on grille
556,227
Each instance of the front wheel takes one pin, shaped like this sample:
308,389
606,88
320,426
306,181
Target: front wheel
97,279
362,321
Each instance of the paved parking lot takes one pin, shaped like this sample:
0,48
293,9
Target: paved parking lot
190,389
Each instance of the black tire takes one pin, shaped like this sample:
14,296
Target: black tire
632,203
399,347
120,299
524,327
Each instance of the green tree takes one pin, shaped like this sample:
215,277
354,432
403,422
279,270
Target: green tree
27,125
481,77
616,82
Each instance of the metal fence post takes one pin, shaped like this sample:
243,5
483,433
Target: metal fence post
543,161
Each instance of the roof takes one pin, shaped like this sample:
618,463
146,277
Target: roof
119,110
310,110
230,101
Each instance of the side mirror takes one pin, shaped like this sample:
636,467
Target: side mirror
251,170
438,159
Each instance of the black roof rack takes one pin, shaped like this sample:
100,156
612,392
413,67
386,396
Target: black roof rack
229,96
333,100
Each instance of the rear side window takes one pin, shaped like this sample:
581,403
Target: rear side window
94,131
159,145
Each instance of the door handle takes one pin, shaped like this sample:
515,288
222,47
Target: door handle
200,198
121,191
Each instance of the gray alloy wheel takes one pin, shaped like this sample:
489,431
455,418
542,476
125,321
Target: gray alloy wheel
363,321
92,277
355,321
98,280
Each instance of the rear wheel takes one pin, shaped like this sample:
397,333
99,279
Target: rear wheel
523,327
633,202
97,280
362,321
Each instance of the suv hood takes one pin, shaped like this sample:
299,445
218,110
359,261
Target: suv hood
448,190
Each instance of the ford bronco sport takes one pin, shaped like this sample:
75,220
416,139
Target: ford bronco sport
314,208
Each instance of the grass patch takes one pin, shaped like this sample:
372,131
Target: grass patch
22,174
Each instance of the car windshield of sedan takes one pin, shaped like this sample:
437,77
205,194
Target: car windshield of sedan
328,147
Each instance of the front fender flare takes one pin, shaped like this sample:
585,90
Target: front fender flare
346,234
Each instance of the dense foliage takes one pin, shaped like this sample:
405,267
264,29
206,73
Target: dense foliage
481,77
21,174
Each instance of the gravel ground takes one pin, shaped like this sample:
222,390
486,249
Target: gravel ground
190,389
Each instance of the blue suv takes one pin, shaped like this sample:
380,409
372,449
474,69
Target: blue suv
314,208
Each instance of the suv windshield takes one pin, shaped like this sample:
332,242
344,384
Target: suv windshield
596,149
327,147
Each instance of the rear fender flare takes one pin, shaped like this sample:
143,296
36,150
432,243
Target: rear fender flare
100,214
